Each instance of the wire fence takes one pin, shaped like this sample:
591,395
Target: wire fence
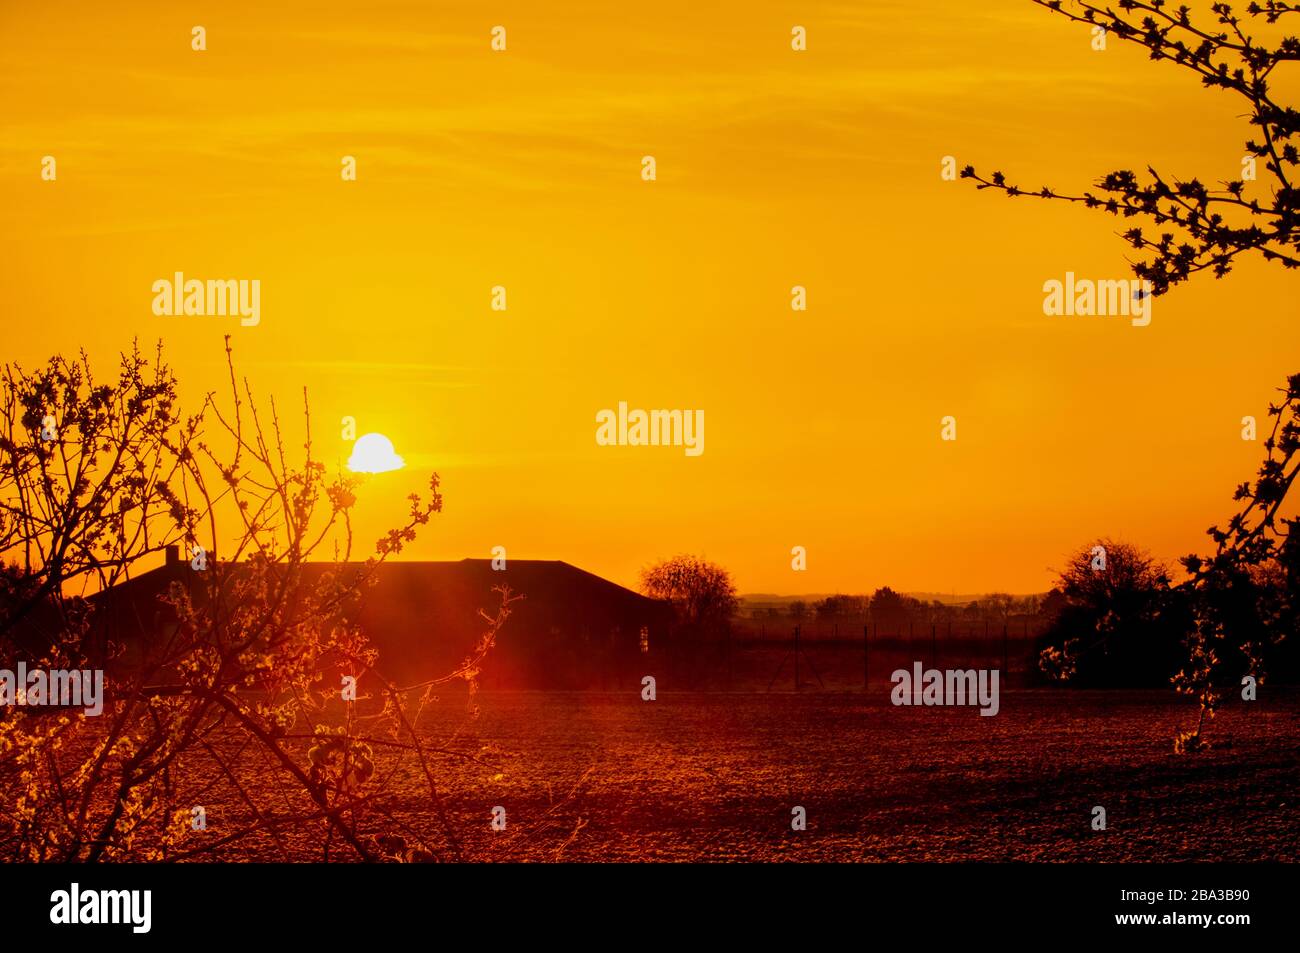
840,656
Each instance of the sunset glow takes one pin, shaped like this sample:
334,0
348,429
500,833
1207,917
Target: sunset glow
820,169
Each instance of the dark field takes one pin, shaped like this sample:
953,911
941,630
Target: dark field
714,777
608,777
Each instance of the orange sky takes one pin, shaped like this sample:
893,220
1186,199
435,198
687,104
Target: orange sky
775,168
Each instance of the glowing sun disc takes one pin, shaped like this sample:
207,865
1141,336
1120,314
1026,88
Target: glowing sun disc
373,453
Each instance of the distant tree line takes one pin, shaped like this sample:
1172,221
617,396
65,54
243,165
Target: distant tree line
889,609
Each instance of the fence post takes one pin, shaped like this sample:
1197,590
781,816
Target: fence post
866,660
796,659
728,658
1006,673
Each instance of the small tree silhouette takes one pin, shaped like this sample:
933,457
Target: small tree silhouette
87,483
701,592
1120,623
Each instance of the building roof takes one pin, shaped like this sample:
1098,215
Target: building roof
424,616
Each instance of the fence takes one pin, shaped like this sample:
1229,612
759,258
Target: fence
845,657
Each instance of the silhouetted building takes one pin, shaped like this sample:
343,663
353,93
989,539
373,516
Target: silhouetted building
571,629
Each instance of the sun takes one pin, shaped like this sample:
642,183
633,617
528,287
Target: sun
373,453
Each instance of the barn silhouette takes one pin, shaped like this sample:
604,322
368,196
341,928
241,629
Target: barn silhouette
571,630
